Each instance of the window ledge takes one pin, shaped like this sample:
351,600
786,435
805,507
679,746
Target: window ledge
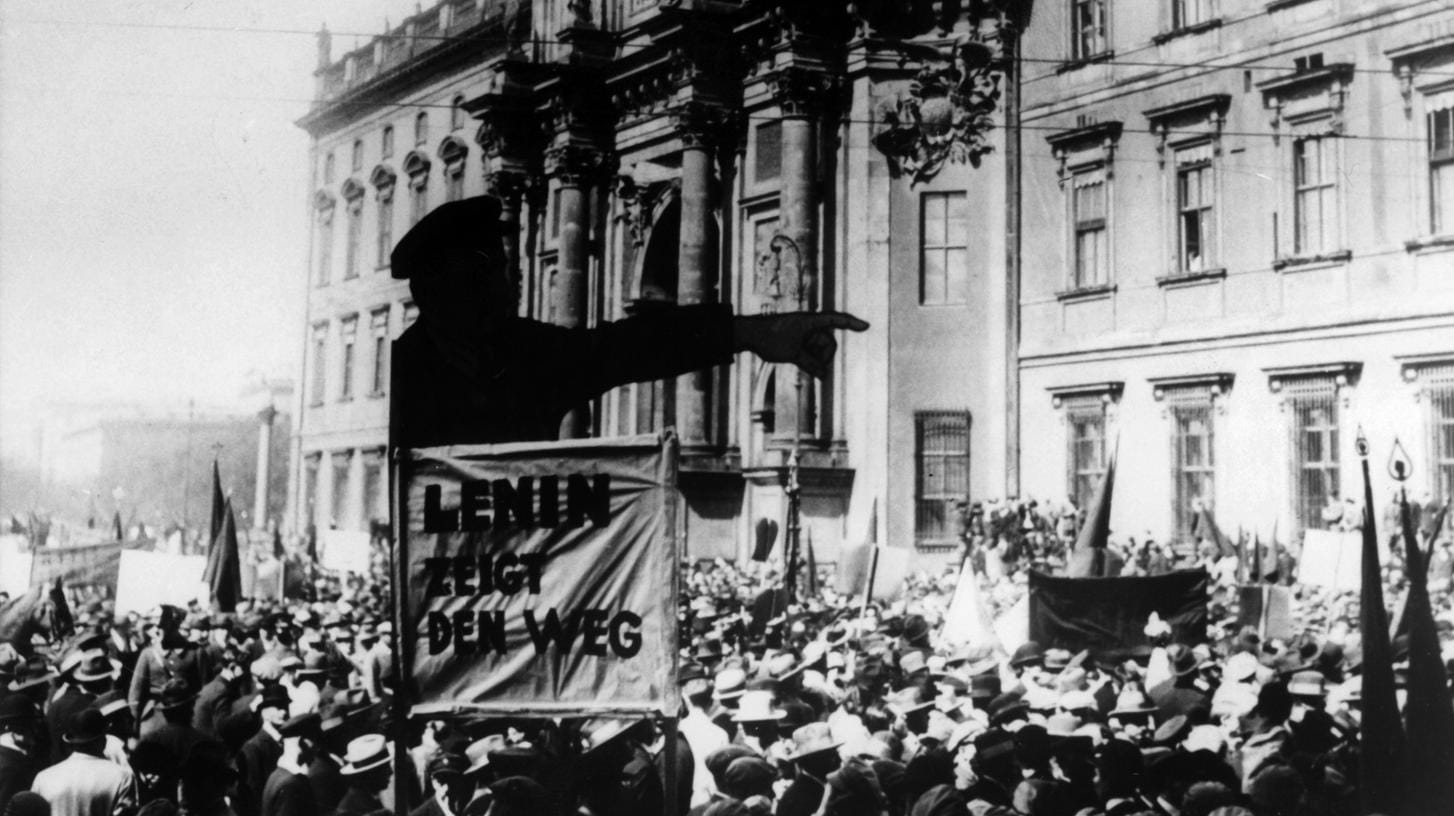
315,404
1200,276
375,394
1071,65
383,267
935,545
1426,244
1099,292
1278,5
1297,262
345,399
1187,31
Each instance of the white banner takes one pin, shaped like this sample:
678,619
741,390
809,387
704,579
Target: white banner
147,580
14,566
1334,559
346,550
968,621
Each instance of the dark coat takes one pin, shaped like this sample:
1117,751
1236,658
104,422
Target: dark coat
257,761
17,771
213,703
287,794
328,784
533,373
58,717
358,802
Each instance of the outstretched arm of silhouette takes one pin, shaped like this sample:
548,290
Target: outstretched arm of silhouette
804,339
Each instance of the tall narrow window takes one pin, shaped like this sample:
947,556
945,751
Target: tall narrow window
320,362
349,339
418,197
386,142
942,459
379,329
1315,190
341,485
355,232
356,162
376,494
325,246
312,463
1088,28
1086,420
1435,379
1195,196
943,249
386,225
1313,404
1192,464
767,166
1091,262
1187,13
328,168
421,128
1441,171
454,182
456,113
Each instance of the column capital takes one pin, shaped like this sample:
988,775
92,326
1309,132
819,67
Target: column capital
801,92
509,185
578,165
701,124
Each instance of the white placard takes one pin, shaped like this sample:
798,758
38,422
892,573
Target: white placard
147,580
1334,559
346,550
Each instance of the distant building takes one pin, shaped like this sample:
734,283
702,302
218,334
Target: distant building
661,153
1238,250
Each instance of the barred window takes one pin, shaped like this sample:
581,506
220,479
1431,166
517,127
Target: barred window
1441,170
341,486
943,249
1438,395
768,164
1192,462
941,452
1187,13
1088,28
1091,262
1086,419
1313,405
1315,189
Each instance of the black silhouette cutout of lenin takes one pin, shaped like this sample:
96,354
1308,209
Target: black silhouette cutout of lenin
472,371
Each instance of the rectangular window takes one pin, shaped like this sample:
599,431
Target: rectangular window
941,453
355,229
1441,171
454,184
1088,28
376,492
386,226
1314,189
311,465
1091,262
943,249
1187,13
1314,415
379,328
349,341
768,164
1191,448
1086,420
325,246
320,361
1438,394
1195,193
341,486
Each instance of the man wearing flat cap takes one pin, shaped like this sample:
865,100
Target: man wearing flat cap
471,370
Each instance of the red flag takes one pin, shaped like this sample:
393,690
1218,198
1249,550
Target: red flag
812,567
224,569
218,508
1382,782
1089,558
1428,713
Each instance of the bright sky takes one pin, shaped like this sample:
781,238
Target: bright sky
153,197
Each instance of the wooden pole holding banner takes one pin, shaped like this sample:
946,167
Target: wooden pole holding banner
868,589
398,453
671,450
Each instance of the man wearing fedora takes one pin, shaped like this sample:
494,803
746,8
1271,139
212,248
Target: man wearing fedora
175,736
85,783
287,792
471,370
19,719
367,768
259,755
83,676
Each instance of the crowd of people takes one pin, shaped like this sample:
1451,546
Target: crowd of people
819,705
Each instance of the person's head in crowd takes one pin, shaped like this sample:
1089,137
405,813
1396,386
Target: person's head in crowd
176,702
994,757
853,790
453,788
28,803
272,705
86,732
1277,790
367,763
1118,766
19,720
520,796
95,674
207,777
758,718
266,671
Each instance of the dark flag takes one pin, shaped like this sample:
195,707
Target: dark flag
218,504
62,623
1381,770
1089,558
812,568
16,528
278,551
1203,526
766,536
1256,577
1428,713
1108,615
224,571
116,528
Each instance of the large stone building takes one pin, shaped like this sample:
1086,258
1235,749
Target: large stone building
680,152
1239,249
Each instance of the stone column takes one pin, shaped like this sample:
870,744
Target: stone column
574,166
264,467
800,93
698,124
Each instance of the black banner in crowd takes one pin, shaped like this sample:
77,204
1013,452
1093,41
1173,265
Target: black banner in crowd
1108,615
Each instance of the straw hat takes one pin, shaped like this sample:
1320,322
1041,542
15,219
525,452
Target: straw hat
365,754
813,738
756,706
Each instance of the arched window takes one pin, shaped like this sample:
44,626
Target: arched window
453,152
416,167
356,162
328,169
421,128
456,113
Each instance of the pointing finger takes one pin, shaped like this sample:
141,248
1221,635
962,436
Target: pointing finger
843,320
